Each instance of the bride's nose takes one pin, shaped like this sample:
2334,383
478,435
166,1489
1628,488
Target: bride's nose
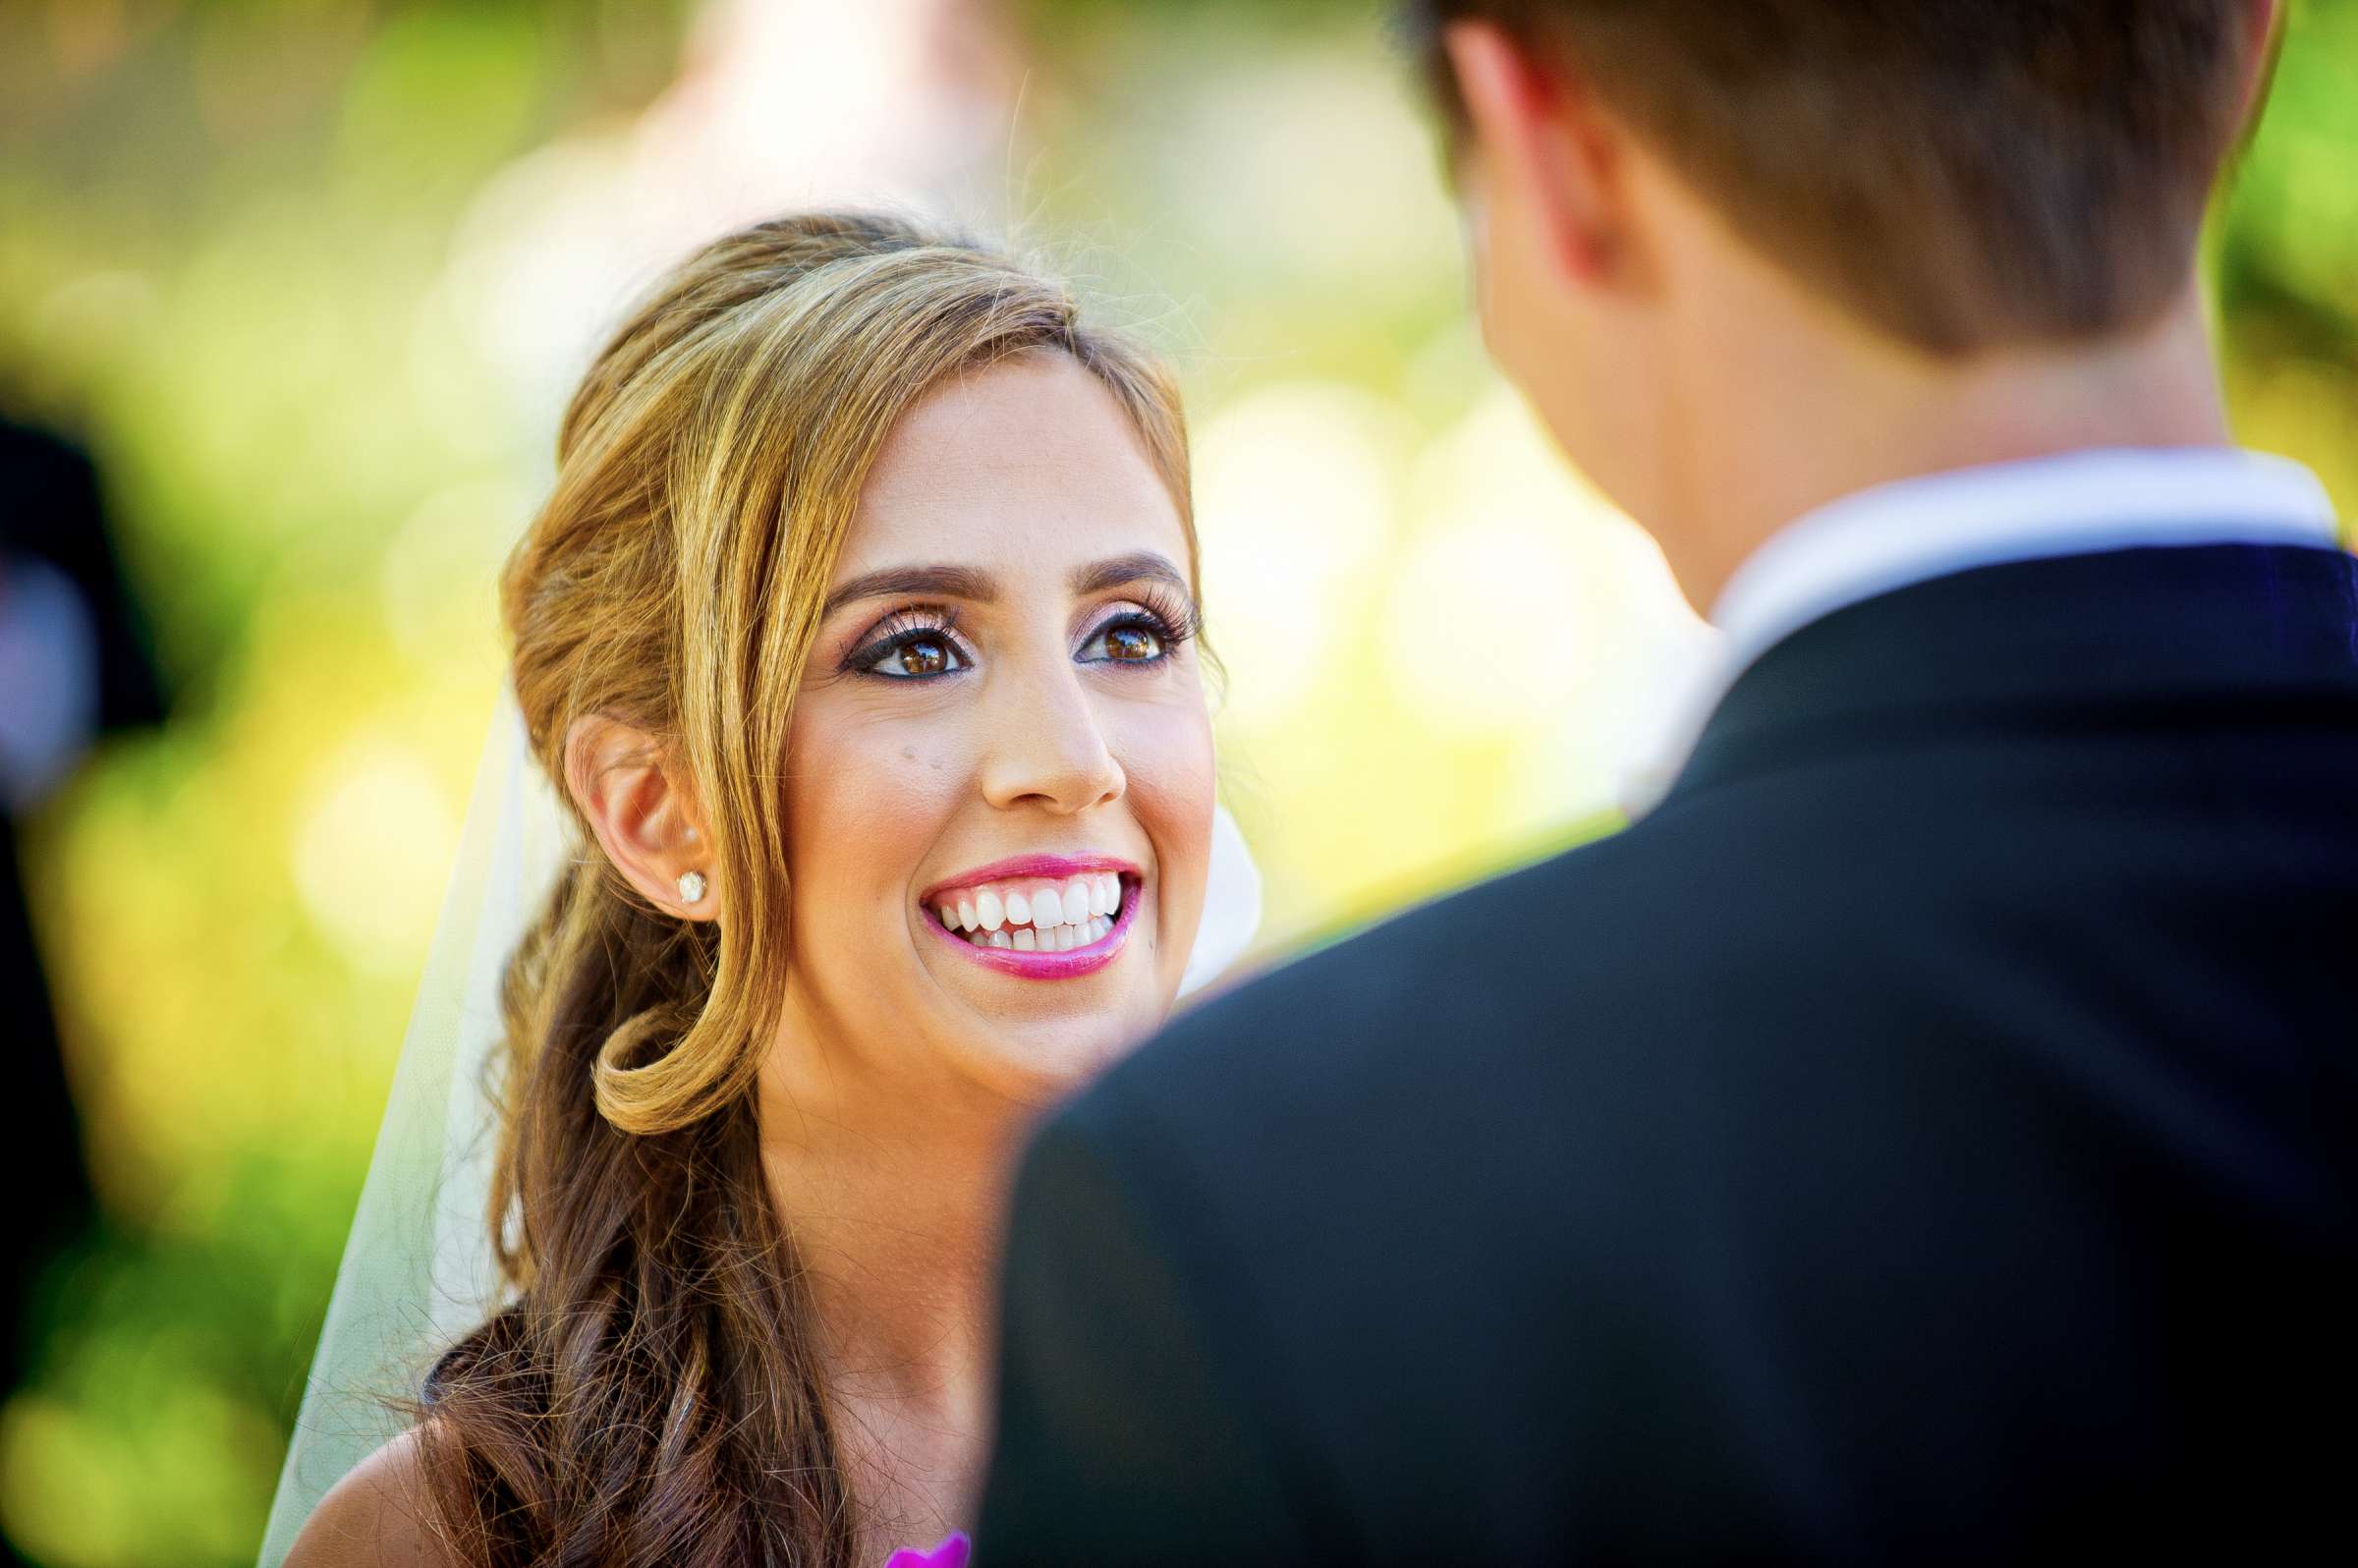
1048,748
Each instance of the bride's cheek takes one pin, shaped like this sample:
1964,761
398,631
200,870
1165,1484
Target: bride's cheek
857,796
1173,785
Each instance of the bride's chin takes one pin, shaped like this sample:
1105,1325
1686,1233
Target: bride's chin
1040,1062
1038,1040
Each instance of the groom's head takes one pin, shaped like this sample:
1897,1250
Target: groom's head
1946,178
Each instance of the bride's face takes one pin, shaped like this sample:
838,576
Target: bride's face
999,792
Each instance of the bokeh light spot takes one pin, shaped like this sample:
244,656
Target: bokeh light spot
373,845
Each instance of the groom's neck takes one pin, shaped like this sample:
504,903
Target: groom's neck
1792,410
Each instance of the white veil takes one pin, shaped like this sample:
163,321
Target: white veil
418,1269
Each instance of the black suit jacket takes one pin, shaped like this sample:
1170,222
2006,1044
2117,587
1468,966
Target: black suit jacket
1930,1135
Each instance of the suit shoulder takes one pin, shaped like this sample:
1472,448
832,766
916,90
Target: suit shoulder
1574,917
1481,966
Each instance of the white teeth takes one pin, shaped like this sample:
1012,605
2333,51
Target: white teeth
1081,907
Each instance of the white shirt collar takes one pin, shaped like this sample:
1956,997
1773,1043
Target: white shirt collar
1894,536
2078,503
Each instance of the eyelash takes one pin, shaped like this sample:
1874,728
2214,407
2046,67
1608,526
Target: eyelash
901,629
1171,620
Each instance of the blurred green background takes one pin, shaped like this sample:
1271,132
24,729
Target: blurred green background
310,278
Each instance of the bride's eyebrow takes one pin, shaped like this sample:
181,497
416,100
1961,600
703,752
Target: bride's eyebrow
1142,566
979,587
904,581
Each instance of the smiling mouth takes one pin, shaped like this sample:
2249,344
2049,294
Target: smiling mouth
1039,927
1044,914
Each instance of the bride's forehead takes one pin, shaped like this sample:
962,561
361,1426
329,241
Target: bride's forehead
1033,432
1037,406
1012,484
1044,537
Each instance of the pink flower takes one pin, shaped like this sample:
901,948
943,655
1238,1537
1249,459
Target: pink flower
953,1552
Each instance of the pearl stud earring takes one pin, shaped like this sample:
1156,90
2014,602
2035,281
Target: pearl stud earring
692,887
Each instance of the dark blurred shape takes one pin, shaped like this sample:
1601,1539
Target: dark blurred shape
50,512
76,663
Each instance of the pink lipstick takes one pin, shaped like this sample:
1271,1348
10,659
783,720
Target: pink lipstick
1039,916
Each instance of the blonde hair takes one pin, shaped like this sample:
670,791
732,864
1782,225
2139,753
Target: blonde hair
652,1395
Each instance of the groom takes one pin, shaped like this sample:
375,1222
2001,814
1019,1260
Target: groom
1932,1133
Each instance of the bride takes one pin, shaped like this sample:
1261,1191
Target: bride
857,633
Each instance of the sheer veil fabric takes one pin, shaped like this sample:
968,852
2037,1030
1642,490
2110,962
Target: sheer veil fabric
418,1271
418,1268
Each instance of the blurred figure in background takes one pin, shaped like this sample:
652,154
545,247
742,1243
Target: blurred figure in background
73,665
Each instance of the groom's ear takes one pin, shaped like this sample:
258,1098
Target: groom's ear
2264,22
1537,143
640,807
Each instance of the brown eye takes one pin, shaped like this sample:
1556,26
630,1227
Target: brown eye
914,655
926,656
1125,643
1132,642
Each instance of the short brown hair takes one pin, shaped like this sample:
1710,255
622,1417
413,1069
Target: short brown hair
1963,175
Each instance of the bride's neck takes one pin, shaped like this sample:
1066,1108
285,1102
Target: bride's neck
891,1183
892,1194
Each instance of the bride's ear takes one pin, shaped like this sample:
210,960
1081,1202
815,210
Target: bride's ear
643,813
